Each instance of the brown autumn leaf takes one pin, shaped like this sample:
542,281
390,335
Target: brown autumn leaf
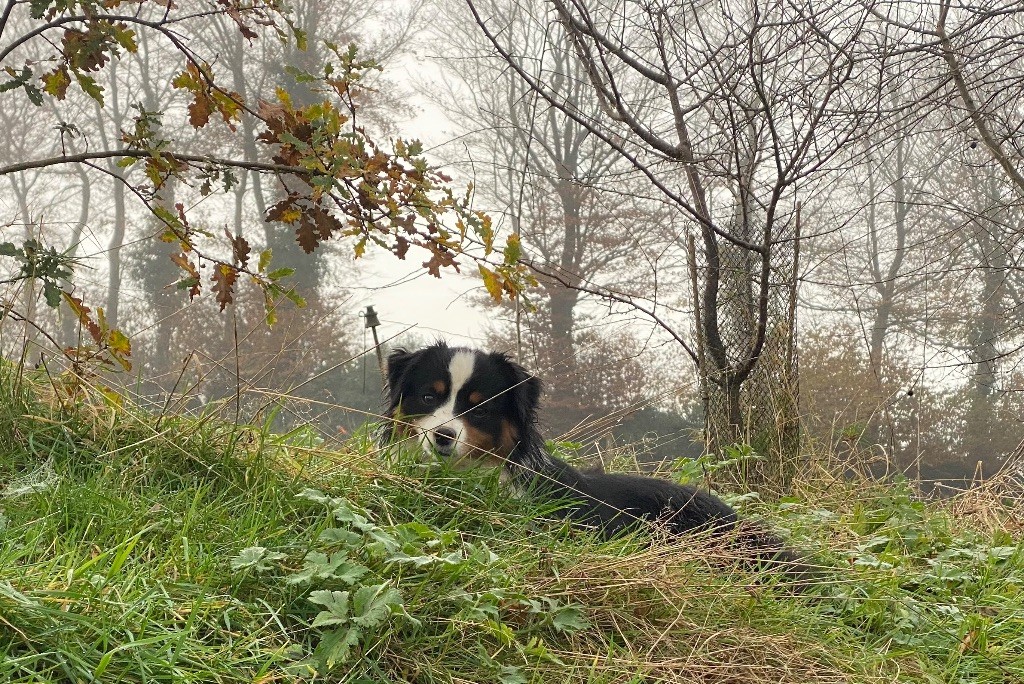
439,258
279,211
234,11
326,223
186,265
56,82
306,235
401,246
199,110
82,312
224,277
85,50
240,249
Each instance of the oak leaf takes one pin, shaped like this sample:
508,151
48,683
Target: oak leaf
224,278
306,235
82,312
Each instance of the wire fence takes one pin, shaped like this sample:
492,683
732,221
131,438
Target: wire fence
764,442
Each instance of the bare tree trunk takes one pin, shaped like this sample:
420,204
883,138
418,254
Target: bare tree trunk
28,287
987,329
980,433
562,299
114,249
754,404
69,324
164,299
120,219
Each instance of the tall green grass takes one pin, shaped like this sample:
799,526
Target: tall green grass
143,548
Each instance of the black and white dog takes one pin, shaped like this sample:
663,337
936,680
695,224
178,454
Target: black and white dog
476,408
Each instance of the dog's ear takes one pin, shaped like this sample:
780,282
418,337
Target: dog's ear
525,392
398,362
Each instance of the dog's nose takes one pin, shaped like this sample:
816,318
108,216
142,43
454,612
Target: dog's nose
444,438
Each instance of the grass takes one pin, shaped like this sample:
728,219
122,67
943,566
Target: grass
185,549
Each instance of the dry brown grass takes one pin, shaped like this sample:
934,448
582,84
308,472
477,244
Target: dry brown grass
995,504
678,612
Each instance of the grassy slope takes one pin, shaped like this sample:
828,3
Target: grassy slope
136,549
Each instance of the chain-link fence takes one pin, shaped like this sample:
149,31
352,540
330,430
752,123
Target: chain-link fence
751,417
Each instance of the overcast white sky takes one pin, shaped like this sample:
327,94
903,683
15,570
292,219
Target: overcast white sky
405,296
402,292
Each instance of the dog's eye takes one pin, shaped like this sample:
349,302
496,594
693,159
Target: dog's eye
429,399
480,411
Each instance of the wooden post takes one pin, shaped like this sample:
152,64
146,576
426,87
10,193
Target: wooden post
372,321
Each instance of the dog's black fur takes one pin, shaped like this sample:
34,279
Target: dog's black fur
500,429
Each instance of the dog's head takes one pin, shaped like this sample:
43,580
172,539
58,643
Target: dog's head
472,407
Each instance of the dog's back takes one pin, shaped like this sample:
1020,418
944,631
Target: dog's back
616,502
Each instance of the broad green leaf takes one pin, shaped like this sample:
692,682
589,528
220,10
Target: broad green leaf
510,674
52,293
264,261
35,95
513,249
569,619
336,645
256,558
335,604
90,87
278,273
39,7
372,605
320,566
125,37
337,535
119,342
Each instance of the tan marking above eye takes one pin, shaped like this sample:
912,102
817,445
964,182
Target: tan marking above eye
475,398
439,386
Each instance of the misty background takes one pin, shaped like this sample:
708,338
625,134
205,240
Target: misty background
899,286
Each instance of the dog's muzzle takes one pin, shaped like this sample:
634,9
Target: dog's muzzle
444,440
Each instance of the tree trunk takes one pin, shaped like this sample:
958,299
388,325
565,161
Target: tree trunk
163,296
980,431
562,299
114,253
69,323
30,350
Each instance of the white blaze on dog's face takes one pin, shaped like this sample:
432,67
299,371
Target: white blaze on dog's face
443,429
